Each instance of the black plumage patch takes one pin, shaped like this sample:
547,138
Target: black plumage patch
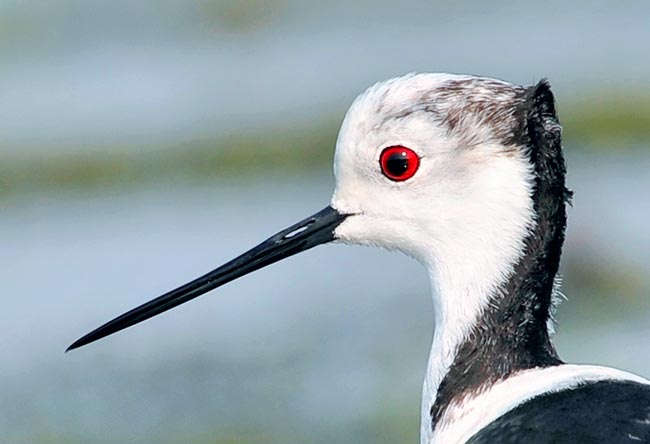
613,412
512,334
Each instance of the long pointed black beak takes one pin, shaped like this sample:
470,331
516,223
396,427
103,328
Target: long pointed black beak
315,230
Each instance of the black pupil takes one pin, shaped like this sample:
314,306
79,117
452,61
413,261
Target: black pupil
397,164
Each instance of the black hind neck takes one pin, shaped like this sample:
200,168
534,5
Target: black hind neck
512,333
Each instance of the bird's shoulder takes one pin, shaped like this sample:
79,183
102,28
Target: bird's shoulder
611,411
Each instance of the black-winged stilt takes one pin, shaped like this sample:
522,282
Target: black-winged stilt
465,174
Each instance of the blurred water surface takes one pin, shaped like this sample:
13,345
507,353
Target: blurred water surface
328,346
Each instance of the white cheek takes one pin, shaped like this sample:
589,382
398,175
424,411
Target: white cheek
391,234
482,228
471,214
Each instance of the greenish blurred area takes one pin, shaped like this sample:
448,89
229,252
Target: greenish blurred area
282,151
616,123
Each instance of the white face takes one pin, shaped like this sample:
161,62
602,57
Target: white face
467,207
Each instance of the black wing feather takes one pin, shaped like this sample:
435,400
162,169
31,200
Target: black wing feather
601,412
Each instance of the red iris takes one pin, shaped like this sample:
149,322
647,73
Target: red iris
399,163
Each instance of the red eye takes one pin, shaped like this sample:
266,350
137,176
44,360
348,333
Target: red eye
399,163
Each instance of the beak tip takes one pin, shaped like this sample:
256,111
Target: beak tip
75,345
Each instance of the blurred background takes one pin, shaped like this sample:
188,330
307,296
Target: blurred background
144,143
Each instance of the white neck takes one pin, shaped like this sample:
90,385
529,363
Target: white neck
452,323
466,274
